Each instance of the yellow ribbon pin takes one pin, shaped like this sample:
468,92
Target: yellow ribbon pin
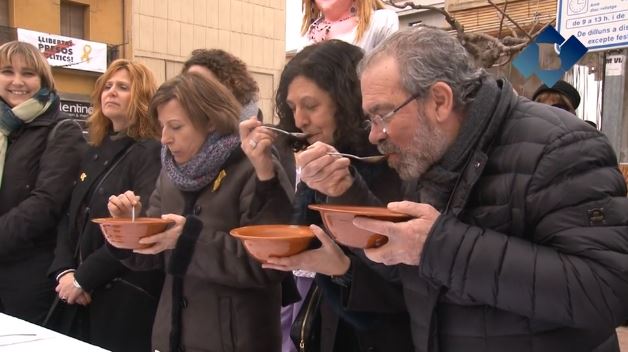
218,180
87,49
83,176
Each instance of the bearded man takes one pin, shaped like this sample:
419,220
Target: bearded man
519,236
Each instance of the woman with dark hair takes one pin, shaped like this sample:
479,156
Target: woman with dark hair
102,301
319,94
215,296
342,100
231,72
39,153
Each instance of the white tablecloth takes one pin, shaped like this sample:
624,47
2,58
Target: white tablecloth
17,335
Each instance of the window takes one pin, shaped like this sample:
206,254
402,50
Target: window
73,20
4,13
7,33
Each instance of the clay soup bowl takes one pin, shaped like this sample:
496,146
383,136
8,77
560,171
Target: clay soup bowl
125,233
264,241
338,220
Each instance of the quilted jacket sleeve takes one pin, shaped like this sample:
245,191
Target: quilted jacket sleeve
570,267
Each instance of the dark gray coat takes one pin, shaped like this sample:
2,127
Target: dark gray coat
531,254
229,302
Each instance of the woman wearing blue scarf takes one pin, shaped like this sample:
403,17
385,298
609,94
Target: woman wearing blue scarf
215,297
35,166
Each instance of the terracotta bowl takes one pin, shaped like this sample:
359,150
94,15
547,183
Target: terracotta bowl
264,241
124,233
338,220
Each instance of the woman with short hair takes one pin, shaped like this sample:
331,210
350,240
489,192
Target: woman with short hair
38,155
215,297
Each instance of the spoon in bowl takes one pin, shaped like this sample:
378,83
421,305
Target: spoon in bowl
366,159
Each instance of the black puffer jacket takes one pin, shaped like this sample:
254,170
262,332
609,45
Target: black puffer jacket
533,251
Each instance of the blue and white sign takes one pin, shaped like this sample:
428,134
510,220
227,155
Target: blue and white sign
598,24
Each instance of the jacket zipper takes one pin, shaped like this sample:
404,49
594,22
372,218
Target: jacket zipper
307,313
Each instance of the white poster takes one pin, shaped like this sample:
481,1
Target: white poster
66,52
598,24
615,65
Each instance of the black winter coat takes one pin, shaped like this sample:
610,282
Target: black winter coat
37,184
531,254
369,314
123,301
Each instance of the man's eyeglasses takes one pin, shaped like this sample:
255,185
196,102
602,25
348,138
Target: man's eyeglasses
377,121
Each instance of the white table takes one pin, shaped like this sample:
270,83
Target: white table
17,335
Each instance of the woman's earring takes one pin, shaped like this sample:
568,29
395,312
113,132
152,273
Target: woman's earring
353,8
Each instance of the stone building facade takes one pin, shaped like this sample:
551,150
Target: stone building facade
164,32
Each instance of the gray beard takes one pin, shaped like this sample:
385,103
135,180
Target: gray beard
428,146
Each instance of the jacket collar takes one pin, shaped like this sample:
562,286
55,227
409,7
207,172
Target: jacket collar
447,184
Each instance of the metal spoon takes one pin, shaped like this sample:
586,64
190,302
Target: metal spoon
366,159
298,135
133,213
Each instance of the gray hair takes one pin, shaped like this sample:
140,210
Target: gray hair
427,55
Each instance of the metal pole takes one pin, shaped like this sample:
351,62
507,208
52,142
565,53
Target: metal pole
613,123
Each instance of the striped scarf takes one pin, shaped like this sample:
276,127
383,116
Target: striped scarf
199,171
13,118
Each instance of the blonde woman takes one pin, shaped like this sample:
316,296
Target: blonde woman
103,302
35,166
364,23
